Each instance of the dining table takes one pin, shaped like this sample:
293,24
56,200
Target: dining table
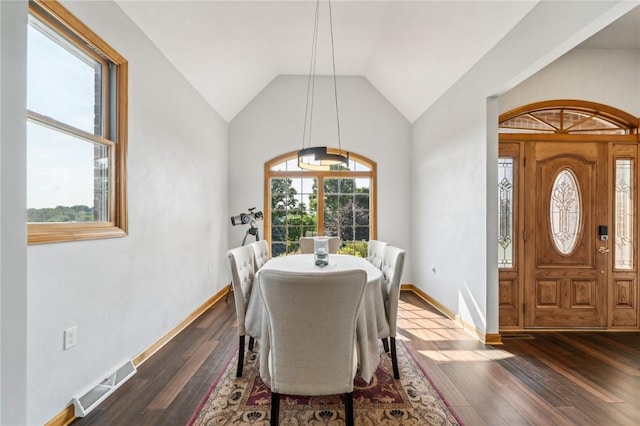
371,321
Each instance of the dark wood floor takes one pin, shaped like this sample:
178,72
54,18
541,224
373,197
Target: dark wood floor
542,378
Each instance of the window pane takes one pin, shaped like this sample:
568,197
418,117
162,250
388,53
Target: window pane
359,167
565,211
57,70
624,214
288,165
67,177
505,213
347,209
293,212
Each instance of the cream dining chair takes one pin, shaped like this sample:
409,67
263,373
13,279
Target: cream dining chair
306,244
311,321
260,253
392,266
374,252
242,270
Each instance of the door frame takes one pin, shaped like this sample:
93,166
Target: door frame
511,280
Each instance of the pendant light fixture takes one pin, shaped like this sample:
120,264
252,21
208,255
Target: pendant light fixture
319,157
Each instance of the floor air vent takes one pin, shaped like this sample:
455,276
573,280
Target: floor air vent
514,336
89,400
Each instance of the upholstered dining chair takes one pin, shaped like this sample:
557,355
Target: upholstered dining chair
306,244
242,270
312,333
334,244
392,266
374,252
260,253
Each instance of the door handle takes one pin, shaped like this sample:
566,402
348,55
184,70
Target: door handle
603,249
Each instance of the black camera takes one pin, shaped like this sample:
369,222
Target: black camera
244,218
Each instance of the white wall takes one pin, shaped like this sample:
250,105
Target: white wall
454,155
125,293
610,77
13,246
272,125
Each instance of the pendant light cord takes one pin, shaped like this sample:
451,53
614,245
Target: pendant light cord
308,109
335,84
311,82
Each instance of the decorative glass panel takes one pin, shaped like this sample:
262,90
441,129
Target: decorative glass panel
562,120
505,212
526,123
565,211
551,117
593,124
624,214
571,119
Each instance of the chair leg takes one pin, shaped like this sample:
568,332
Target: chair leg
385,345
251,342
275,408
348,408
394,358
240,357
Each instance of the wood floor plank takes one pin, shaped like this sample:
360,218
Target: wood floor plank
570,374
601,353
559,379
166,396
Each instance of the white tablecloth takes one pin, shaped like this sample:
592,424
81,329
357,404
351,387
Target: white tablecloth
372,320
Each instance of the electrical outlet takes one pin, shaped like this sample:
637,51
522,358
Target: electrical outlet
70,337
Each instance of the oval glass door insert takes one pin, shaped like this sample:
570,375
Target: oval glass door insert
565,211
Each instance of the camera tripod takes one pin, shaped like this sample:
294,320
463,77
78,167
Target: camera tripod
253,230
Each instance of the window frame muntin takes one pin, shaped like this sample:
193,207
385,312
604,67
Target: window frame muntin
114,129
321,175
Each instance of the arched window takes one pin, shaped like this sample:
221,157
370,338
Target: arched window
568,117
339,202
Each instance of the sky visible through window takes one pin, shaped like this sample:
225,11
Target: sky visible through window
60,85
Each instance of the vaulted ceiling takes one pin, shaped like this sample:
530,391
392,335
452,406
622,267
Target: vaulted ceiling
411,51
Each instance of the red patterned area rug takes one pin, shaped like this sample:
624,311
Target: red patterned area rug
412,400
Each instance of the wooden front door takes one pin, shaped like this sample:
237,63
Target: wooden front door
565,204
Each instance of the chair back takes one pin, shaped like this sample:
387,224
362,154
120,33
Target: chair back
392,266
242,270
334,244
374,252
260,253
306,244
312,329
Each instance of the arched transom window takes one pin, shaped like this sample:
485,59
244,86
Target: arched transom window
339,202
568,117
